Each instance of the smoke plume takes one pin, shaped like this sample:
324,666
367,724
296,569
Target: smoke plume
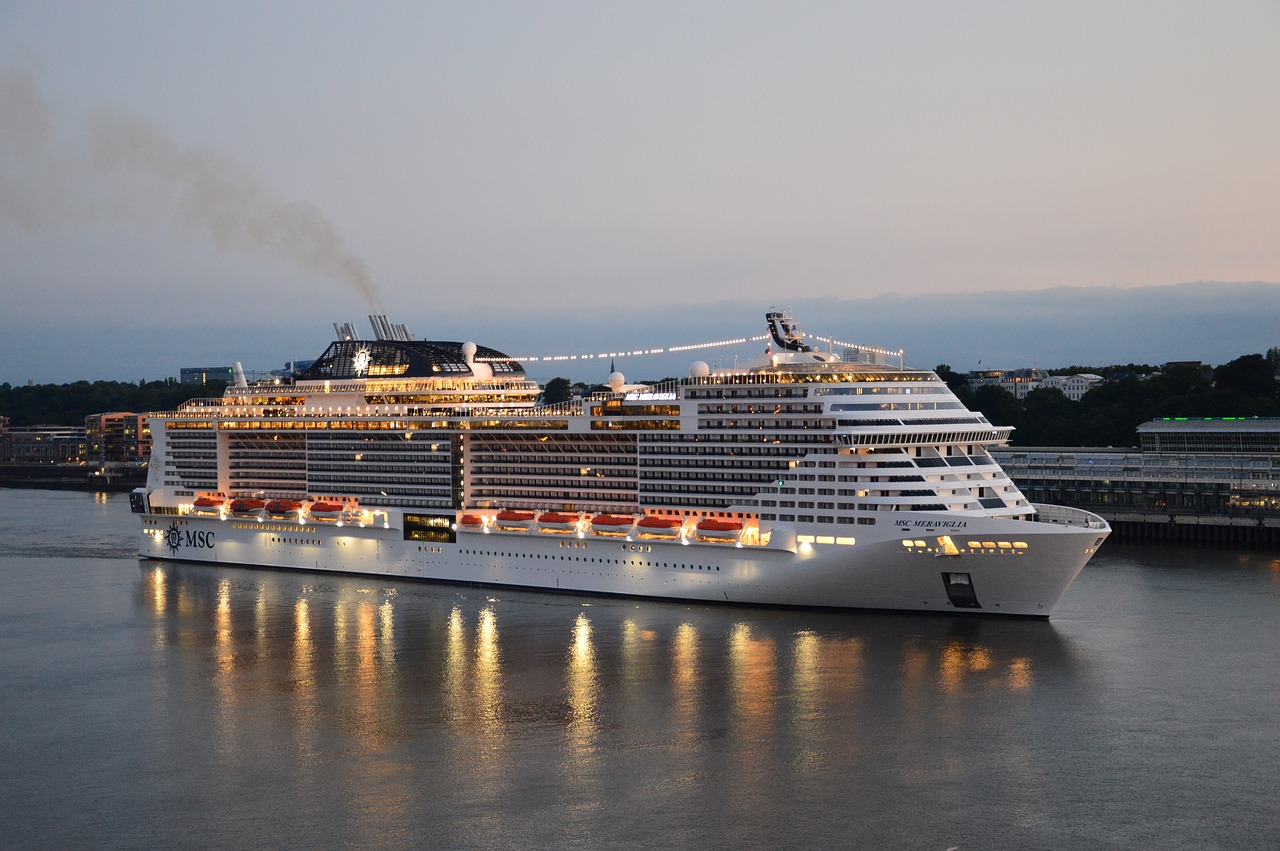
129,169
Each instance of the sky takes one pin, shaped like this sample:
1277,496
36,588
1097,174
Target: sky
981,184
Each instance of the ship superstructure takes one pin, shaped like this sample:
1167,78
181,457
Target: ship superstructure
800,478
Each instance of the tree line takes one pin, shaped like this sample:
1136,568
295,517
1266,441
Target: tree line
1109,414
69,404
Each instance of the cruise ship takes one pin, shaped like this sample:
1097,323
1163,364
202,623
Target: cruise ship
802,478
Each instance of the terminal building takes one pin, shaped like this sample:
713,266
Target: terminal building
1190,479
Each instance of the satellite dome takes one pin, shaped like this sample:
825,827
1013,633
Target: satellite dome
468,350
616,380
699,369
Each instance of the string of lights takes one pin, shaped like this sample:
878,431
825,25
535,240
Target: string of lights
831,342
639,352
693,347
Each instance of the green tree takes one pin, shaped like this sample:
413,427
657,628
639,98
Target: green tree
69,404
955,380
998,405
556,391
1047,418
1184,379
1249,375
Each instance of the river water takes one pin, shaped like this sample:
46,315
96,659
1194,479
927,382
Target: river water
150,704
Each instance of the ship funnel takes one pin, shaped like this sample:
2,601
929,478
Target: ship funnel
384,329
238,371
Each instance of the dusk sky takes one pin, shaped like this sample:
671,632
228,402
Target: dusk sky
188,184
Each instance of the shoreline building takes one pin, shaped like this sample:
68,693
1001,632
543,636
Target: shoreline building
204,374
43,444
117,438
1022,381
1190,479
1019,382
1073,386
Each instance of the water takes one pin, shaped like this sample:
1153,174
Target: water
150,705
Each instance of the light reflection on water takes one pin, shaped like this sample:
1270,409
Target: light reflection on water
357,661
762,655
583,689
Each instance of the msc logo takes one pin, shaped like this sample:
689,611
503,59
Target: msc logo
175,538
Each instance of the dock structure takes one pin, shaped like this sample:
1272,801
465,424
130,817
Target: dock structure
1211,481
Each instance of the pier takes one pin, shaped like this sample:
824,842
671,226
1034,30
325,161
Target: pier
1160,527
1214,481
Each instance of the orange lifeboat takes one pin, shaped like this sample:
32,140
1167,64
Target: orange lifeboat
554,521
717,529
207,505
471,522
283,508
611,524
659,527
325,510
247,507
514,521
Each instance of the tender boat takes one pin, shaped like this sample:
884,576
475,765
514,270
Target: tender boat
246,507
555,521
514,521
207,505
282,508
659,527
325,510
718,529
611,524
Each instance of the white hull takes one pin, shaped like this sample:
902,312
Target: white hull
869,574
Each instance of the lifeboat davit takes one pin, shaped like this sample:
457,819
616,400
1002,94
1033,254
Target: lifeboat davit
516,521
325,510
554,521
717,529
246,507
207,505
659,527
471,522
611,524
283,508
